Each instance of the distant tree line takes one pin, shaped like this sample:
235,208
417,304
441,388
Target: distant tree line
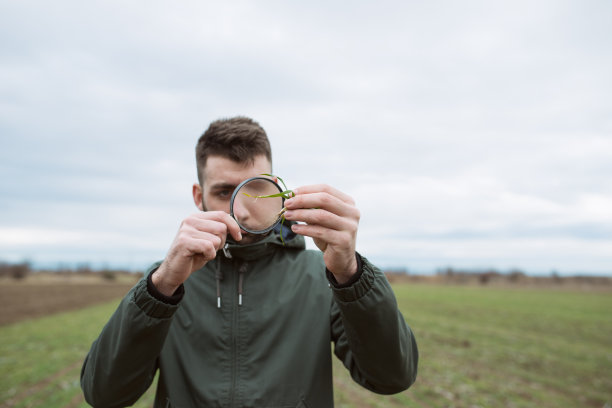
22,269
492,276
450,273
15,271
484,276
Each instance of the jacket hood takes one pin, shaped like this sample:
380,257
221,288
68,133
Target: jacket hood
267,245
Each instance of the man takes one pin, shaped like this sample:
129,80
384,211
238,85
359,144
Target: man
232,319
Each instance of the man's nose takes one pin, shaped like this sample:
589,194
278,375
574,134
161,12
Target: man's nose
241,213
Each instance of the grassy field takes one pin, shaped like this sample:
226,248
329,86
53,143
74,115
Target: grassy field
479,346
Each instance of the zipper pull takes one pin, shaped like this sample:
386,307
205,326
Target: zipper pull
226,251
241,271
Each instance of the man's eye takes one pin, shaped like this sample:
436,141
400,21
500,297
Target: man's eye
224,194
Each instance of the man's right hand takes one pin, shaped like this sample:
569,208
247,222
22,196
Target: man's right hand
199,238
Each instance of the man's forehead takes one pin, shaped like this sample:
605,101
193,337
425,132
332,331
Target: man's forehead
219,171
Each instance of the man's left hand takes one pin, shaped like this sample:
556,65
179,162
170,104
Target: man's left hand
331,220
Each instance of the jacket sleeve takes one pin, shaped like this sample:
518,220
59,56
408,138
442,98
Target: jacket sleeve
122,361
370,334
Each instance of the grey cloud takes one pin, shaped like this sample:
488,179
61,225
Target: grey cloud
101,104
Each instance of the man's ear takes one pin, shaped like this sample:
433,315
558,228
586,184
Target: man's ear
197,196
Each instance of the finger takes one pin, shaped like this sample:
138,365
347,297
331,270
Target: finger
325,201
196,227
318,200
319,217
194,242
204,247
199,237
230,225
318,188
205,224
339,239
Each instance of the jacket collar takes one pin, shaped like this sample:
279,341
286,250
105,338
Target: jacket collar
266,246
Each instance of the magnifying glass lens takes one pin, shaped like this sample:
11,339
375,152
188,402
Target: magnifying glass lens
253,211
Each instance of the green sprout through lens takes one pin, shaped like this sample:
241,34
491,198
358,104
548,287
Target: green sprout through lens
286,194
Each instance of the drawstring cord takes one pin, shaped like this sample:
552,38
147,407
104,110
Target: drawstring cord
241,272
240,290
219,278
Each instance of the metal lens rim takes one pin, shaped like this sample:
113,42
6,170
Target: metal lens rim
263,231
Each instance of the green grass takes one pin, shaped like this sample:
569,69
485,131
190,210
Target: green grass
40,360
479,347
510,347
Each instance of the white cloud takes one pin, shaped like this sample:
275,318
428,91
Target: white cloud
448,122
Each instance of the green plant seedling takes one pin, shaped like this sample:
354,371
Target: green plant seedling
286,194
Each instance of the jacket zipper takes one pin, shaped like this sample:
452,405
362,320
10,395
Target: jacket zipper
235,333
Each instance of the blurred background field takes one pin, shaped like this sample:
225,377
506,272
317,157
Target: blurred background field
495,342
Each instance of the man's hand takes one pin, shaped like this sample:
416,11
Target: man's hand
331,220
199,238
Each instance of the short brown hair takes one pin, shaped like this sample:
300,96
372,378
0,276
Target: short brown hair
240,139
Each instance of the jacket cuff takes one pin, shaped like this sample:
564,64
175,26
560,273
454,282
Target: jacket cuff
176,297
148,303
332,279
358,286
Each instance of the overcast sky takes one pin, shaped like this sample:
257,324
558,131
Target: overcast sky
471,134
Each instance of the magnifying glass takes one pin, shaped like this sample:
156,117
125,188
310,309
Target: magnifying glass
253,208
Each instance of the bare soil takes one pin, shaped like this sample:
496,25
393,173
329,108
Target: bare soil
26,300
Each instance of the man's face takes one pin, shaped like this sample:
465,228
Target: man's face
220,177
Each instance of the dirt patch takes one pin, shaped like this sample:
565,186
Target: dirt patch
31,300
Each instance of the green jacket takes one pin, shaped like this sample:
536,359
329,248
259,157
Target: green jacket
267,345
